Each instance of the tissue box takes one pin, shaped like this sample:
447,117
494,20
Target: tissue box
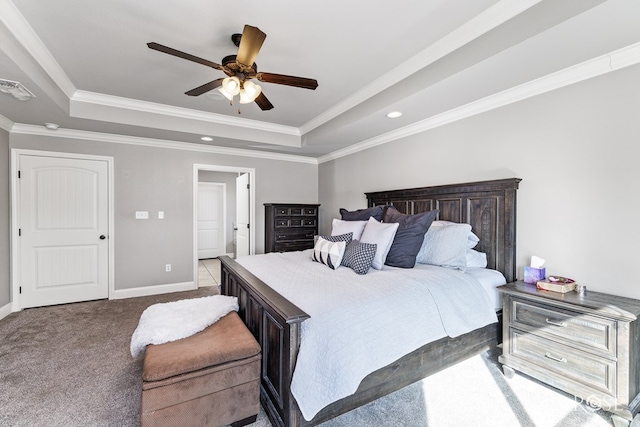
532,275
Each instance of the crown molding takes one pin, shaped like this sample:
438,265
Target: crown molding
474,28
156,143
595,67
82,96
24,34
5,123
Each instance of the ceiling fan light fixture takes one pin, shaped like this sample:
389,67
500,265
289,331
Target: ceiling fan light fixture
249,92
225,93
231,85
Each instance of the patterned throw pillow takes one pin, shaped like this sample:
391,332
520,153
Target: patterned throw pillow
346,238
359,256
328,253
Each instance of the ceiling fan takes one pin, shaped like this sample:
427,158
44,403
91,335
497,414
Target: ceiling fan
240,70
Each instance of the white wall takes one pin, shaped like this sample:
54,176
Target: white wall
155,179
578,152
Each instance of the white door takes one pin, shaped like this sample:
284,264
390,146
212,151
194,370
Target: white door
242,215
211,219
63,238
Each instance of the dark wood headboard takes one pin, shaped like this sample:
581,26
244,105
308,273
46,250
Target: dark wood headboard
488,206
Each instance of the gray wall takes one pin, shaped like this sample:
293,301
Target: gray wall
154,179
577,151
228,178
5,287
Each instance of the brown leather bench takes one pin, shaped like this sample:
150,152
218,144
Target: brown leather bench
211,378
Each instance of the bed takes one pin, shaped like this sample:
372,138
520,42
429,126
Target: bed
489,207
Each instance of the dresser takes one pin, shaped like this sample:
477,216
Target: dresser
289,227
586,345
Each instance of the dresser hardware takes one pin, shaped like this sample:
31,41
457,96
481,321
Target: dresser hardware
556,323
557,359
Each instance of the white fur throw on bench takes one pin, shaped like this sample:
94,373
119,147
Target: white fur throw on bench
172,321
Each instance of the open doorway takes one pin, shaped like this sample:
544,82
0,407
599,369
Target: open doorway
220,208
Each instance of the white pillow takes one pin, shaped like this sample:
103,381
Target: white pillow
445,246
381,234
472,239
343,227
476,259
328,253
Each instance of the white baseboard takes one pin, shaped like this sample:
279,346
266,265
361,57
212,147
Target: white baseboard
5,311
153,290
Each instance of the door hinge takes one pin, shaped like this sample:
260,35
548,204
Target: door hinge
18,174
19,232
248,225
247,186
20,289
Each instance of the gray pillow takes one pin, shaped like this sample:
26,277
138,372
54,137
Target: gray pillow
409,237
359,256
362,214
445,246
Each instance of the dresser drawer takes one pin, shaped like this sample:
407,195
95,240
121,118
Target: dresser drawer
561,361
305,234
579,329
293,246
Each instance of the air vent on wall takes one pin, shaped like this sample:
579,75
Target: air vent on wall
16,89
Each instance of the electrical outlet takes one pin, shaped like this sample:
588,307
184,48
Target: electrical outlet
167,268
160,214
142,215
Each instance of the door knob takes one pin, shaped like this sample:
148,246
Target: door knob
102,237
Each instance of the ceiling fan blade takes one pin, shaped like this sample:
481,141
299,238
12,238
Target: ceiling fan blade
205,87
263,102
250,44
187,56
281,79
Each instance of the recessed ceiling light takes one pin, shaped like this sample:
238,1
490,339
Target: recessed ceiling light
394,114
207,138
51,126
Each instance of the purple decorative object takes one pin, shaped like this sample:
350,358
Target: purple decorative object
532,275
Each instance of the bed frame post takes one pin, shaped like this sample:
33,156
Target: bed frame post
275,323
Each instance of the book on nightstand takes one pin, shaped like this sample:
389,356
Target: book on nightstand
557,284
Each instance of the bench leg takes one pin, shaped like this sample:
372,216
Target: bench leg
246,421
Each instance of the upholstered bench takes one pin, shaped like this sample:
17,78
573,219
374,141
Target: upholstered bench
211,378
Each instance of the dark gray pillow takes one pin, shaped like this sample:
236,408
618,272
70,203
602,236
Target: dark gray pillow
409,237
359,256
362,214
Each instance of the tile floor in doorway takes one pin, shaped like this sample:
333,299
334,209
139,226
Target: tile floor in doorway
208,272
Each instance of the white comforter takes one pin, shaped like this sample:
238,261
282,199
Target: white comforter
351,331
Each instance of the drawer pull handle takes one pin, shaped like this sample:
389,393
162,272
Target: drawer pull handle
557,359
555,322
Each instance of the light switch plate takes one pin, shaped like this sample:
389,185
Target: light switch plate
142,215
160,214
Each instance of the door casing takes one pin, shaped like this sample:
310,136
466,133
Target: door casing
252,208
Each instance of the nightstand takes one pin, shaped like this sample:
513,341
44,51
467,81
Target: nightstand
588,346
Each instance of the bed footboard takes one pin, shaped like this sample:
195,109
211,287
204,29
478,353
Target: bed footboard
275,323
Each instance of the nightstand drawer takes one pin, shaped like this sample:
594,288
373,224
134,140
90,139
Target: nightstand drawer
583,330
592,371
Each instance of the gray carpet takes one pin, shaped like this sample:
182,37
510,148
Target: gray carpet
70,365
